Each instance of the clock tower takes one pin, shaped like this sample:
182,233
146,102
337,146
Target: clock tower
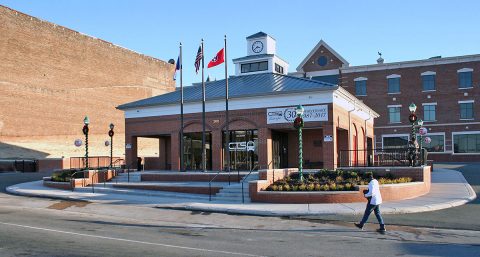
261,57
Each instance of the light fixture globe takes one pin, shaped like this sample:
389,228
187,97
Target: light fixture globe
86,121
299,110
112,126
420,122
412,107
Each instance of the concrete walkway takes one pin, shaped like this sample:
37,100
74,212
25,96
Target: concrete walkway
449,189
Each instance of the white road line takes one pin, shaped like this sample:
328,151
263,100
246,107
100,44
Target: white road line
131,241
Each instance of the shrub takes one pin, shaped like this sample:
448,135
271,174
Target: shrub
324,187
295,188
280,187
317,187
302,187
340,187
333,187
274,188
286,187
310,187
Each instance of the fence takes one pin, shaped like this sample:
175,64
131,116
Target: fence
379,157
24,165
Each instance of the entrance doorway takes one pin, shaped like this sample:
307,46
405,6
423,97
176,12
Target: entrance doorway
243,150
192,146
280,150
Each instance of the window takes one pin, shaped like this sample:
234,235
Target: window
429,111
256,66
465,78
394,85
436,145
361,87
399,141
466,110
394,114
428,82
278,68
466,143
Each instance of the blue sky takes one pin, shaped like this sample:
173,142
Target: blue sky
401,30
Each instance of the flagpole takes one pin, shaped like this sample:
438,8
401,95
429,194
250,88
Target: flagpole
226,108
182,168
204,154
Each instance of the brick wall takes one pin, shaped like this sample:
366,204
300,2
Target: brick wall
52,76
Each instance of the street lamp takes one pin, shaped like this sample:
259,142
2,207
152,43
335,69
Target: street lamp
298,124
111,133
86,121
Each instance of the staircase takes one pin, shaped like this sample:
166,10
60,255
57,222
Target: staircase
123,177
233,192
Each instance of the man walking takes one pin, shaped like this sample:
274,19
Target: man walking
374,200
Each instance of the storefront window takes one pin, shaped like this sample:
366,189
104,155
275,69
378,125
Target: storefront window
466,143
243,150
436,145
395,142
193,150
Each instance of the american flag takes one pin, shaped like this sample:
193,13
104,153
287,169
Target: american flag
198,59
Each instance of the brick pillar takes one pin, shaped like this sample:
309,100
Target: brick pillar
175,151
131,153
216,147
264,148
162,153
329,148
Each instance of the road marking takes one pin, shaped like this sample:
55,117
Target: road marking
131,241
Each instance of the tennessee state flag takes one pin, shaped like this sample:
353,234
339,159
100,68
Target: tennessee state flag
218,59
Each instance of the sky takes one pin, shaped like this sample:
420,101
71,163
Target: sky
357,30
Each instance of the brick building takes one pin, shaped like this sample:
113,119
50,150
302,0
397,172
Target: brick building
445,90
52,76
262,108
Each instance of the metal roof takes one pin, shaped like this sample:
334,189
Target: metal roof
240,86
258,34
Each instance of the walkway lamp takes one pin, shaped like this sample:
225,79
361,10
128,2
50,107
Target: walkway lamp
86,121
298,124
110,134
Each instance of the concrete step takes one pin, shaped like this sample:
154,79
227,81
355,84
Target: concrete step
230,199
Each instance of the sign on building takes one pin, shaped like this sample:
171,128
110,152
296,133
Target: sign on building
288,114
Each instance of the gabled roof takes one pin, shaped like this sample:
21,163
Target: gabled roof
241,86
315,49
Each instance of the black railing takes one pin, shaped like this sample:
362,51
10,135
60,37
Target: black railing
26,165
379,157
94,162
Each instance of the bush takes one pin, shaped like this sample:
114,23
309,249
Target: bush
310,187
302,187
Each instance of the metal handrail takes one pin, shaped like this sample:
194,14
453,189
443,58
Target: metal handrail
210,186
72,179
243,180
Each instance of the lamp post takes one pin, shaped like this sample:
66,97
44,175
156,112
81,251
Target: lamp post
298,124
86,121
111,133
413,120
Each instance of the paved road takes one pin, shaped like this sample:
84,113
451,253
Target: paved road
461,217
44,227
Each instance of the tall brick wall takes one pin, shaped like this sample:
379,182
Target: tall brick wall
51,77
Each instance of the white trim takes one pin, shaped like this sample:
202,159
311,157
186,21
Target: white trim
463,133
322,73
435,103
360,79
314,50
465,70
462,88
430,125
428,91
396,93
414,63
426,73
466,101
393,76
468,119
394,105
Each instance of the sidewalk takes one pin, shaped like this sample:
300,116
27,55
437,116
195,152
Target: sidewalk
449,189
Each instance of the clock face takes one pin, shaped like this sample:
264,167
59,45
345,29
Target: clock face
257,47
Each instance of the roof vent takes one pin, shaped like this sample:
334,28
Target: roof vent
380,60
436,57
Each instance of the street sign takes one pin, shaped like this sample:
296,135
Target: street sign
427,140
78,142
423,131
328,138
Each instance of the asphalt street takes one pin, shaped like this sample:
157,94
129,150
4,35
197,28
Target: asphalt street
45,227
462,217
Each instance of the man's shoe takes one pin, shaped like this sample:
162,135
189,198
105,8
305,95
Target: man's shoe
382,228
358,225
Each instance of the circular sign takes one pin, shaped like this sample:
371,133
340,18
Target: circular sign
423,131
78,142
427,140
110,133
85,129
107,143
298,123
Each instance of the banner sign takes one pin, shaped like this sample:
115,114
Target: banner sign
288,114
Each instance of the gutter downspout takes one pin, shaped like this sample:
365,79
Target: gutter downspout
365,139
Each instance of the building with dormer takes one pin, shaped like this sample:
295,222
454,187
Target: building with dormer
445,91
262,103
